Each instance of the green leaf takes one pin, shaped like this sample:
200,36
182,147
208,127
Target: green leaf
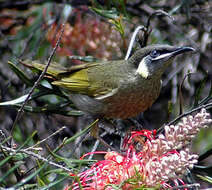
15,101
199,91
5,160
206,99
60,108
110,14
35,41
120,6
10,171
26,141
70,162
19,157
69,140
80,133
25,180
20,74
56,171
84,58
29,37
74,113
170,108
119,25
43,50
205,178
28,30
5,140
175,9
49,186
21,99
40,181
109,11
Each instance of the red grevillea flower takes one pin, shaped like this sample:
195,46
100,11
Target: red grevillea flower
159,161
87,36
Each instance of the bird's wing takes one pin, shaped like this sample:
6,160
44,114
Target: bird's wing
79,82
74,78
55,70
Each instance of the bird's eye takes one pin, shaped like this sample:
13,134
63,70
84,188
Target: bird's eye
154,53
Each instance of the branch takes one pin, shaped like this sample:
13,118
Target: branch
39,157
50,136
132,40
206,106
38,81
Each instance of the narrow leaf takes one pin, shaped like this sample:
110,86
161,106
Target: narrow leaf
23,98
67,141
111,14
25,180
85,58
81,132
15,101
54,183
199,91
10,171
20,74
5,160
205,178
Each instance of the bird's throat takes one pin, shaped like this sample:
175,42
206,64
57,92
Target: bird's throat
143,69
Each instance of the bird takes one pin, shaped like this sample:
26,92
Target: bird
118,88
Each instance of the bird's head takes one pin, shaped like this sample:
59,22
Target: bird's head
154,59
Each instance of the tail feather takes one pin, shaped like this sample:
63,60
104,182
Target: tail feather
53,70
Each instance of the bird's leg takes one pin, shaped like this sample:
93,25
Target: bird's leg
128,124
107,125
135,123
139,122
95,133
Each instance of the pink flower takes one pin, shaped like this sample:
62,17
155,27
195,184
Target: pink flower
159,161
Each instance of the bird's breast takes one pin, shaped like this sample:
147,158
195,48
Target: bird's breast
133,96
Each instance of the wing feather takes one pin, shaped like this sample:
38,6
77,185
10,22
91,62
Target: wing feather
75,78
78,82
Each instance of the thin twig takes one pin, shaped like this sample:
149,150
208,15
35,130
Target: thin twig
180,92
186,186
157,13
39,157
144,41
38,81
205,155
132,41
31,147
77,145
206,106
96,145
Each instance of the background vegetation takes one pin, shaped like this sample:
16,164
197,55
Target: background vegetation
101,29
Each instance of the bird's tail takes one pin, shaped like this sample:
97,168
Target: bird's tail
54,69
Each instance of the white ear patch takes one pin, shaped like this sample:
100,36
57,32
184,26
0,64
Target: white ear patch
143,69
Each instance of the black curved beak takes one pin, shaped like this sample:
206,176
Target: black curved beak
182,50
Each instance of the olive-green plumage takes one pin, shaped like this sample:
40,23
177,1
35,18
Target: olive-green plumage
117,89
